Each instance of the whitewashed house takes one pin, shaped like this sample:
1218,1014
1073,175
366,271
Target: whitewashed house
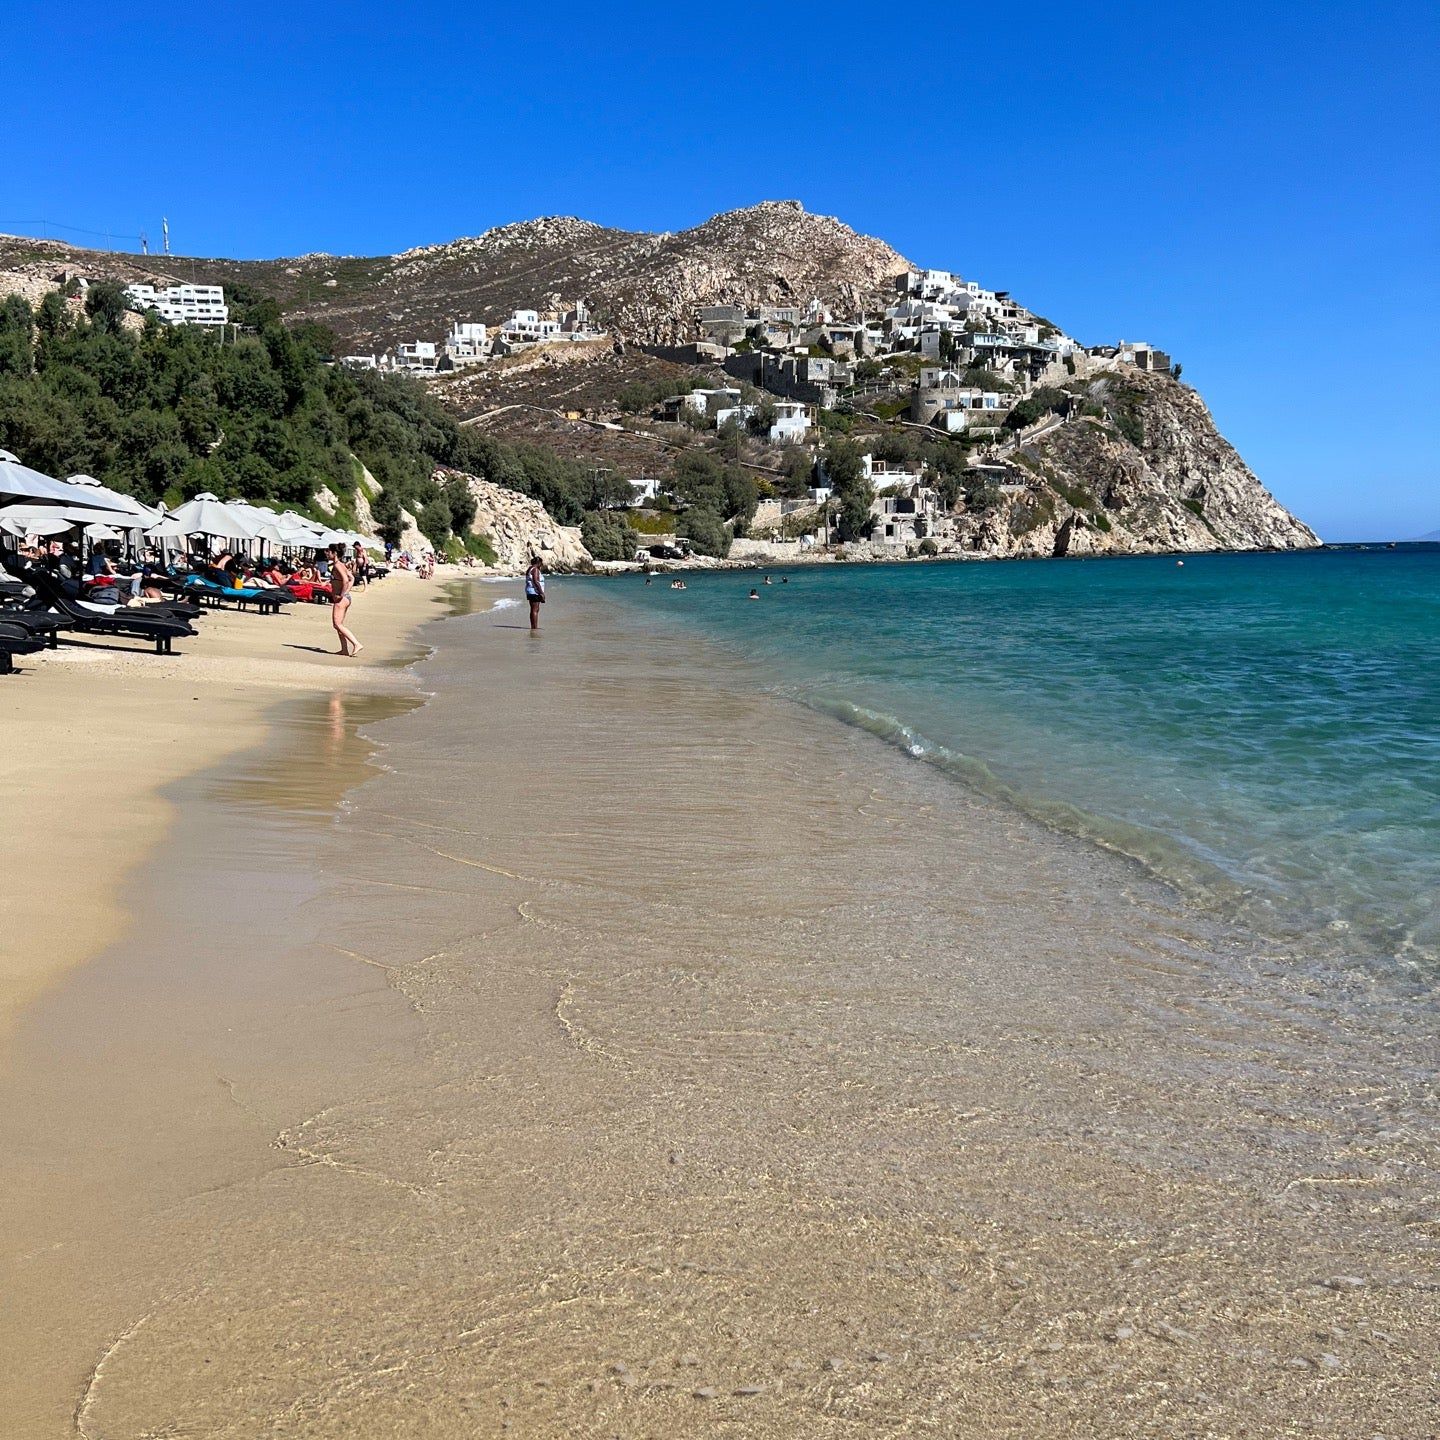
417,356
182,304
527,327
467,343
739,413
792,420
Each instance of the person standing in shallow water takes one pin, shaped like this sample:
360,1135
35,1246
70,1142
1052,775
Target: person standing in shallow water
342,590
535,590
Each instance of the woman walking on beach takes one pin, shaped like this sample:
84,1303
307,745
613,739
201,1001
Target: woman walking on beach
342,590
535,590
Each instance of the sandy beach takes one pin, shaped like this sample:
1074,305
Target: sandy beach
95,732
596,1070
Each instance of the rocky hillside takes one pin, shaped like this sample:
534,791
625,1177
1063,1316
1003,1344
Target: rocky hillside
1170,481
638,285
1145,471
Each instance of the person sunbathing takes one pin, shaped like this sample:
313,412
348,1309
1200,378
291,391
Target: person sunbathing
104,578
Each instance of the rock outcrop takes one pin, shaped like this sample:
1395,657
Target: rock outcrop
1169,481
519,527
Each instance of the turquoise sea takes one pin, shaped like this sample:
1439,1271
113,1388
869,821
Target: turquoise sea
1261,730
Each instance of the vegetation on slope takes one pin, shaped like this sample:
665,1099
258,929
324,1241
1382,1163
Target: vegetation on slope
163,412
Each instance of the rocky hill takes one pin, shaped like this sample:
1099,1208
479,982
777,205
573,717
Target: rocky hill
1148,471
639,286
1174,483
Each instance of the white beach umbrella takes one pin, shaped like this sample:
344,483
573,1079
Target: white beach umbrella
142,514
20,483
297,530
50,520
24,519
102,532
204,515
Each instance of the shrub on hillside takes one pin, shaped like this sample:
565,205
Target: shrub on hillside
706,531
608,537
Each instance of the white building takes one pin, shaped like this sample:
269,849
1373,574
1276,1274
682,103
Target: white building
182,304
525,327
740,413
792,420
417,355
467,341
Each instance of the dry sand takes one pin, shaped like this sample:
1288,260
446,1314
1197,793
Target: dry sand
95,731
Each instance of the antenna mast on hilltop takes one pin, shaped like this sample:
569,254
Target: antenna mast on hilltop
144,243
165,227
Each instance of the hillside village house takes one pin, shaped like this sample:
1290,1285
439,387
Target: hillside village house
526,327
182,304
741,414
709,403
1142,356
467,343
942,398
417,356
792,420
906,516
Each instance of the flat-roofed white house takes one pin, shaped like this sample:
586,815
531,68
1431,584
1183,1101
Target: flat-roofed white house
182,304
792,420
417,355
526,327
466,344
738,413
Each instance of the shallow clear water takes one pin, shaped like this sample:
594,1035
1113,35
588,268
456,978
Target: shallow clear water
1262,729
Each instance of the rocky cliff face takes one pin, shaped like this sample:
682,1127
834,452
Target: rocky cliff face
1167,481
519,527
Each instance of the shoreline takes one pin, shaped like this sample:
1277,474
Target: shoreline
554,1103
97,733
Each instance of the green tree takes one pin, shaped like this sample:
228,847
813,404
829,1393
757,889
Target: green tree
434,521
463,505
706,531
608,537
106,304
17,322
846,470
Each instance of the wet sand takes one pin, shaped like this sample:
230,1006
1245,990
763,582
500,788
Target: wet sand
95,731
640,1056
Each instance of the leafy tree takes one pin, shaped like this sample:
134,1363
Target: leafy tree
608,537
461,502
844,466
17,321
106,304
434,521
706,531
52,318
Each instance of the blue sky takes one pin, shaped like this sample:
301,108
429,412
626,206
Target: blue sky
1253,188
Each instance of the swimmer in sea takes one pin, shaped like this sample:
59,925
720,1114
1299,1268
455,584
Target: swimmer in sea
754,595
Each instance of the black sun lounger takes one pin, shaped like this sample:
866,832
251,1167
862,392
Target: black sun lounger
13,642
44,625
161,630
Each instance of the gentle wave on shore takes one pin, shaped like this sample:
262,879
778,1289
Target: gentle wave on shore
1263,730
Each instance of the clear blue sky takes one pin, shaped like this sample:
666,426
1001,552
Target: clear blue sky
1253,188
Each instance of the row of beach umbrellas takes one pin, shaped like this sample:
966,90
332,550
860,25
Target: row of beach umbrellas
36,504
